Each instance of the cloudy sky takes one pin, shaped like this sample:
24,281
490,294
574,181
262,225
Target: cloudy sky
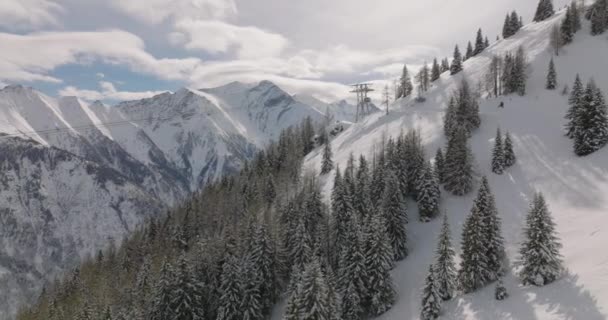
128,49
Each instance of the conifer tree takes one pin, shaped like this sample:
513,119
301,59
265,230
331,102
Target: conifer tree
163,290
500,292
456,62
551,76
231,290
599,17
473,273
378,263
544,10
493,241
486,43
327,163
445,65
405,84
300,250
435,71
519,72
576,104
395,214
431,301
440,166
567,27
363,203
445,270
458,164
186,302
429,194
479,43
342,212
377,185
498,156
469,53
263,264
353,274
575,16
539,254
509,154
312,299
591,133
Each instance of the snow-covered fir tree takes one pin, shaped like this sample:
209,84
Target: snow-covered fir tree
567,27
231,289
473,273
551,76
429,194
576,105
456,62
378,175
511,25
539,254
431,301
598,14
591,132
379,257
301,246
352,273
469,53
500,292
509,153
445,269
405,84
544,10
312,299
262,260
493,241
163,290
342,211
394,210
186,302
479,43
363,203
435,70
458,164
498,155
463,111
440,166
445,65
327,163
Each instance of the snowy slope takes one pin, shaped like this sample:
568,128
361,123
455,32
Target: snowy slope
576,188
340,110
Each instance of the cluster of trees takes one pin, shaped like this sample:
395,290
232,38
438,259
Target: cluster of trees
587,118
480,45
544,10
507,74
503,155
483,259
461,118
598,15
513,22
571,23
222,254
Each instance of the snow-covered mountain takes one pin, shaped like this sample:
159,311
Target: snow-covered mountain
74,175
576,188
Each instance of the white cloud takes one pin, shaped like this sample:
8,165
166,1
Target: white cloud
219,37
107,92
28,14
157,11
31,57
100,75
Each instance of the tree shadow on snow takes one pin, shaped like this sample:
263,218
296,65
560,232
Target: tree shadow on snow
568,300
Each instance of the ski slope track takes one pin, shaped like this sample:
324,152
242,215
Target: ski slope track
576,188
75,176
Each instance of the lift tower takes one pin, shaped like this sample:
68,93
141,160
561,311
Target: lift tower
363,101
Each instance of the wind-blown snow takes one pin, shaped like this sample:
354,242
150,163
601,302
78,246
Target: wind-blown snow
576,188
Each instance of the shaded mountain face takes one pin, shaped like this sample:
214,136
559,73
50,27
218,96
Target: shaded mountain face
74,176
